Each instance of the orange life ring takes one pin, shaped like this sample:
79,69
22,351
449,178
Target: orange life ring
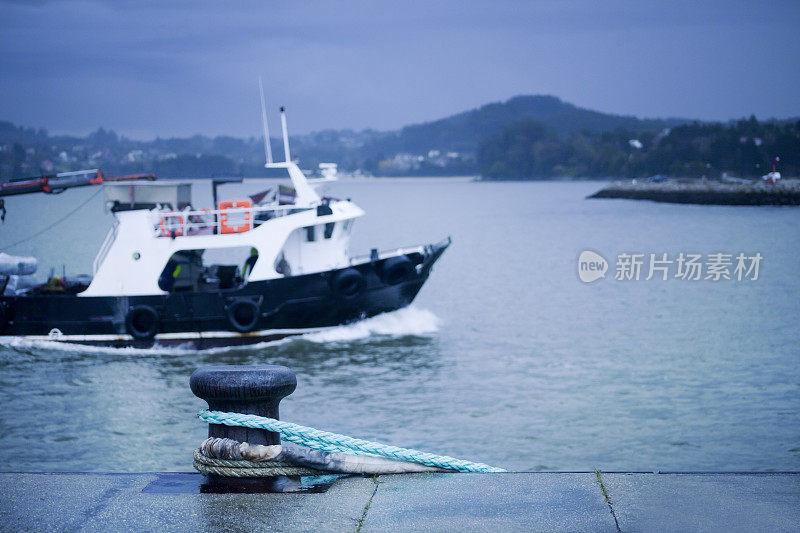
167,227
246,221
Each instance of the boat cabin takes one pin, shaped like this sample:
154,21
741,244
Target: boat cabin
160,242
122,196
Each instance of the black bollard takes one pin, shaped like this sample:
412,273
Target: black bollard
246,389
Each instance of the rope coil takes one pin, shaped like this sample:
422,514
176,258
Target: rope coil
336,443
228,468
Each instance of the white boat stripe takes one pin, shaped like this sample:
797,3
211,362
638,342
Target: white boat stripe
187,335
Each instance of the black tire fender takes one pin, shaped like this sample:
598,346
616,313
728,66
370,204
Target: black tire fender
142,322
348,283
243,315
395,269
4,315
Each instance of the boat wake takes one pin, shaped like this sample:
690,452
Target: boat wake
406,321
409,321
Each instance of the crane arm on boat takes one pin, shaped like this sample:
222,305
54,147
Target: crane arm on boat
56,183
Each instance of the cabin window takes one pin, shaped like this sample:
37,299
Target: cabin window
310,233
182,272
282,266
208,270
347,225
329,229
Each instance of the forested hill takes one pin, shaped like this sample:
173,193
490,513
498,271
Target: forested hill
462,132
745,148
445,146
526,137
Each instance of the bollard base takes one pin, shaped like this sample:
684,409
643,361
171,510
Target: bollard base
251,485
187,483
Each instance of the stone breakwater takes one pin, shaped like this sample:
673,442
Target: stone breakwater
785,192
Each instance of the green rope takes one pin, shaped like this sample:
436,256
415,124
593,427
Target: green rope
333,442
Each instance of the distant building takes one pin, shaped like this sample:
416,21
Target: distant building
134,155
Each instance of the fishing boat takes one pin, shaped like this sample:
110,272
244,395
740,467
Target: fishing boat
242,271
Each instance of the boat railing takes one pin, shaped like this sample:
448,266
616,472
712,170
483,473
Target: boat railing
106,246
169,223
386,254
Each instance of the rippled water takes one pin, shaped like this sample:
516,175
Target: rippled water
506,357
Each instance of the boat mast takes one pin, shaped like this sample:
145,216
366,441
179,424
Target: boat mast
286,155
306,195
267,144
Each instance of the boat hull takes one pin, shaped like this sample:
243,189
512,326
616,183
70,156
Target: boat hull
281,307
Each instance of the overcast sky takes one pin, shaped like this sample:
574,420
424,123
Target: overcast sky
178,68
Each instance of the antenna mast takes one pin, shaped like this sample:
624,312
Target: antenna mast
267,144
287,156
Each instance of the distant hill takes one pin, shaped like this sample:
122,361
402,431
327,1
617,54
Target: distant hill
465,143
462,132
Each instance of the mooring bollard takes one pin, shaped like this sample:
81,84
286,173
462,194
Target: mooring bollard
246,389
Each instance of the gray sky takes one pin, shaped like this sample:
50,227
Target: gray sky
179,68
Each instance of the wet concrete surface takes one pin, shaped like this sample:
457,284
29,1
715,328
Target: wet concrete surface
414,502
706,502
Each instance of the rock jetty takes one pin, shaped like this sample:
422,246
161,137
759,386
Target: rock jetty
706,192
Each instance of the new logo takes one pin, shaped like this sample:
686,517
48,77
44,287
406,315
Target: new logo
591,266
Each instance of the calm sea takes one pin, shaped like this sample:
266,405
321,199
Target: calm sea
506,357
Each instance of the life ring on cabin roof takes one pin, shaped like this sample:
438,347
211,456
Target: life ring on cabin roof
141,322
244,217
167,225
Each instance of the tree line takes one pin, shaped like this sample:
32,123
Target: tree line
530,150
547,139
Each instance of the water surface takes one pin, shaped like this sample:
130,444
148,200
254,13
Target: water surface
505,357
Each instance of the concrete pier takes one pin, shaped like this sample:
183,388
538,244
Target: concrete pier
785,192
412,502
